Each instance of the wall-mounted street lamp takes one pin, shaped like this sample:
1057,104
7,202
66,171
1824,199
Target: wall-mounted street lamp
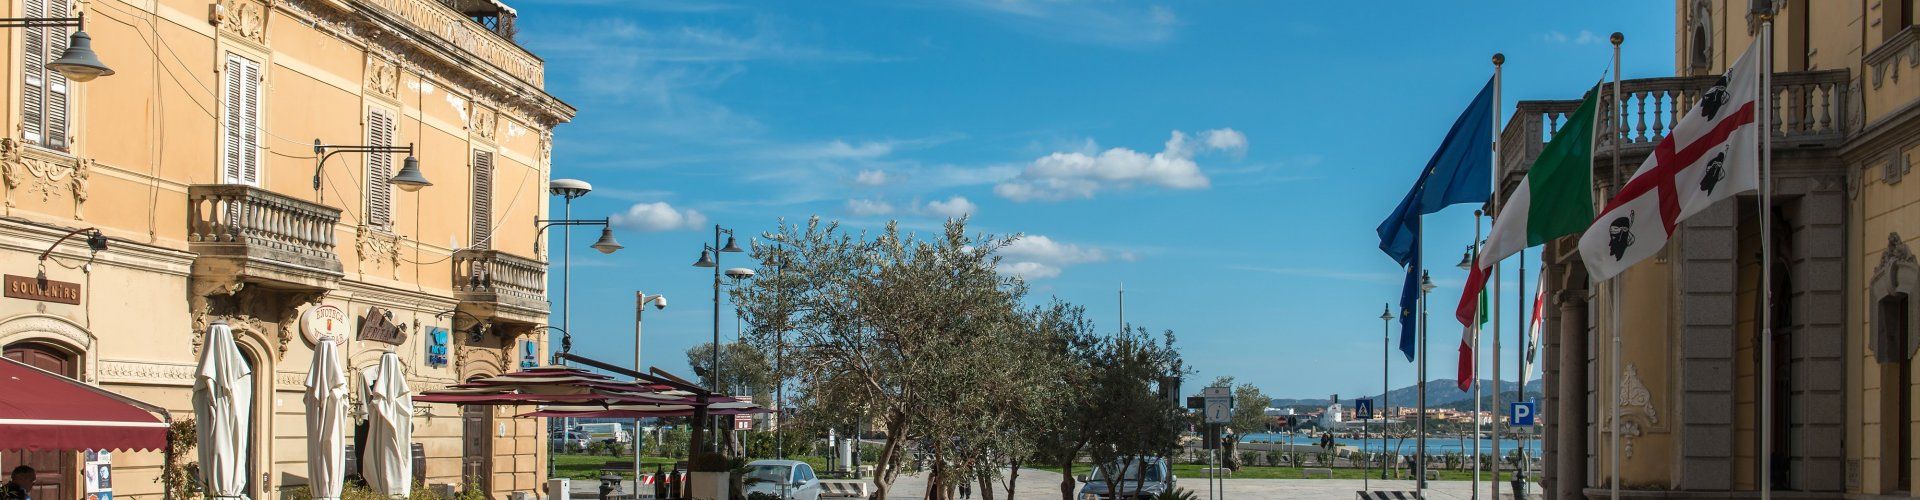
78,62
474,333
606,245
409,178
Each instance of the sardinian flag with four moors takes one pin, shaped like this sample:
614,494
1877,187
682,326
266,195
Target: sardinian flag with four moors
1712,154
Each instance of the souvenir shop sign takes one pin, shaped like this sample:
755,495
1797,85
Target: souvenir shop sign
378,326
41,289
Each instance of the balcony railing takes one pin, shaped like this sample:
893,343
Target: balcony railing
500,278
1809,109
454,28
261,227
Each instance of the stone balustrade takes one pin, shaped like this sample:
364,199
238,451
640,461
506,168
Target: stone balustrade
1809,109
254,224
501,280
454,28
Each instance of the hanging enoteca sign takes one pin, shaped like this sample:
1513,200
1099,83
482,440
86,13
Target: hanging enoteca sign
378,326
323,322
42,289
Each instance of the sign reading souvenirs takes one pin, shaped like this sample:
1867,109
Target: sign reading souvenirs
378,326
324,322
42,289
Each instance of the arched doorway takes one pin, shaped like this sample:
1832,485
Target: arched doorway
54,468
476,445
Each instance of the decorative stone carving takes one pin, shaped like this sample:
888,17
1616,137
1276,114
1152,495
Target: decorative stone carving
377,247
1637,412
1896,278
146,372
244,18
45,173
484,122
383,77
268,314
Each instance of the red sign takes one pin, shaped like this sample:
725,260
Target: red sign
742,422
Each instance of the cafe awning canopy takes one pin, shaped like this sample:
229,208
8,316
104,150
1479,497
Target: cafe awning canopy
40,410
720,408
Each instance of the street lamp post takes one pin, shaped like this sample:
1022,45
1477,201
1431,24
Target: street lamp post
567,189
1420,465
710,257
1386,346
640,302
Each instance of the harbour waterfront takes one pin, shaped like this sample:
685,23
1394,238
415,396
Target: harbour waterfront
1436,444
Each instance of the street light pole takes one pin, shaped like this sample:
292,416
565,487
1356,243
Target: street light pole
567,190
640,301
1386,408
710,257
1420,468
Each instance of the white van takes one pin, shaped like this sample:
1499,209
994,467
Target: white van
606,431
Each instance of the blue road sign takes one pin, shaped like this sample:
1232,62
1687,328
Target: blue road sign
1363,409
1522,413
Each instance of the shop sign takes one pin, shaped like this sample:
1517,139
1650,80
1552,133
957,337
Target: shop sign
324,321
42,289
378,326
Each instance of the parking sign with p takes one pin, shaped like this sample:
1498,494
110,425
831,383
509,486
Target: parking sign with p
1522,413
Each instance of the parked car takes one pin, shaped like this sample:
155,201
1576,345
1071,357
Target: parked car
780,480
569,441
1158,477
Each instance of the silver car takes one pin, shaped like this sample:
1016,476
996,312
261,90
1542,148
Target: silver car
780,480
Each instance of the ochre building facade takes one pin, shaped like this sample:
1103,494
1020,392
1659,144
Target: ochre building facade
196,160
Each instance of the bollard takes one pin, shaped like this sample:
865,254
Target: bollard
609,484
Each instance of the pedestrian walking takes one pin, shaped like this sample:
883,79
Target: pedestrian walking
966,490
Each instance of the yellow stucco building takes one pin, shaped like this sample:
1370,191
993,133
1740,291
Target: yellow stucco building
1846,285
197,159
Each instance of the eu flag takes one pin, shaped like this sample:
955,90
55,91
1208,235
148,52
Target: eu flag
1461,171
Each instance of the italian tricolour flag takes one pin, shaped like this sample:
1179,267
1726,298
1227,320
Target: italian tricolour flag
1553,201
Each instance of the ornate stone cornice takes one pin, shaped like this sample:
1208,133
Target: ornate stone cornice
469,61
122,371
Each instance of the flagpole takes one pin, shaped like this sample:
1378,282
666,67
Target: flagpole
1494,425
1766,251
1475,355
1613,285
1519,386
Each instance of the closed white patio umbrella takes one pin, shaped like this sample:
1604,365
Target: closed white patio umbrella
223,405
326,416
389,459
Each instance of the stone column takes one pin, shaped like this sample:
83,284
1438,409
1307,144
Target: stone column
1707,273
1570,416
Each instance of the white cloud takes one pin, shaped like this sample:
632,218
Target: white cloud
1082,21
1225,139
1035,256
1069,175
865,208
952,208
870,178
657,216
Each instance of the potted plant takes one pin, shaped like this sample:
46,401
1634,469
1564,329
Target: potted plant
709,476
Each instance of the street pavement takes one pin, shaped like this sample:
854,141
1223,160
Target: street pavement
1043,485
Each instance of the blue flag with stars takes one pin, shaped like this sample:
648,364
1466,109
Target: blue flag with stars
1461,171
1410,302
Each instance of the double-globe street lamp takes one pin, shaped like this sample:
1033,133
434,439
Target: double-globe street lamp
710,258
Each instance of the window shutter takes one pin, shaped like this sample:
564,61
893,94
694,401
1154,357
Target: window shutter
250,132
379,169
33,77
241,121
56,106
482,200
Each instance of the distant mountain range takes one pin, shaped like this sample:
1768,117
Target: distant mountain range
1442,393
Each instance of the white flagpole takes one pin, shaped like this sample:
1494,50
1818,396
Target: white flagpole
1613,301
1766,252
1498,61
1476,336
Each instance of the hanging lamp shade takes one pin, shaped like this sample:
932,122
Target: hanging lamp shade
731,247
409,178
706,260
78,62
606,243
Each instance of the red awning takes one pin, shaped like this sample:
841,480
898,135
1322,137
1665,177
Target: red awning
44,411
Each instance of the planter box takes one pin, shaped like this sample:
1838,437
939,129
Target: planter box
708,485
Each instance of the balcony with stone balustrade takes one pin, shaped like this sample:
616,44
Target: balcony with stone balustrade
245,234
1810,112
500,287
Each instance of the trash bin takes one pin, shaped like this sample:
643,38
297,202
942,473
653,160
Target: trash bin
1519,489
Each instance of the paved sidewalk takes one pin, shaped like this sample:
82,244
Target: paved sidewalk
1043,485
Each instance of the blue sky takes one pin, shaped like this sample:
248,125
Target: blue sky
1226,160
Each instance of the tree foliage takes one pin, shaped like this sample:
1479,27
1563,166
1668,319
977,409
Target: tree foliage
921,340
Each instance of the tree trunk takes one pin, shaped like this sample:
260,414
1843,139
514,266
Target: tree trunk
1013,476
885,471
1066,480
